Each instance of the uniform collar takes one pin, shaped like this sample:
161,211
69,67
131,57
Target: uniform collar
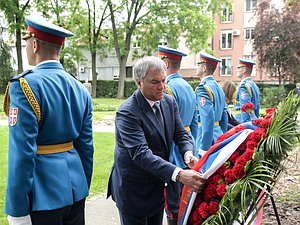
171,76
246,78
210,77
47,61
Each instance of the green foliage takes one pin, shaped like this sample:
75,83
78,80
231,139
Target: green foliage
106,104
108,88
272,96
268,162
276,42
7,71
3,169
104,145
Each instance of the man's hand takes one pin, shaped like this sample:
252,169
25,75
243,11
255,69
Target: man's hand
190,159
192,179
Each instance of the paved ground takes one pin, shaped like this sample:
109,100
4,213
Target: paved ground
101,211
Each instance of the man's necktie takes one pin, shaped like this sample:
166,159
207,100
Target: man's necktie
159,114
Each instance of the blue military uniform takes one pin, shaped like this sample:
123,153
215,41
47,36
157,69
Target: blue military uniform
182,91
212,113
247,92
50,153
185,99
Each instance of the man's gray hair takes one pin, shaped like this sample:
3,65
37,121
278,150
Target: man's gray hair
144,65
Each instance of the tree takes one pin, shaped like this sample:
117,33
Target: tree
5,64
277,42
67,14
14,12
97,15
152,20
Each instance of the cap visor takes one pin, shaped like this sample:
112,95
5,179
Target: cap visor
26,36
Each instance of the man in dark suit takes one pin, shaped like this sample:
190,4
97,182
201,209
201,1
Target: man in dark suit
144,134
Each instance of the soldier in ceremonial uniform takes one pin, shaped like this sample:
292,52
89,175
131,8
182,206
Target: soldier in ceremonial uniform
180,89
247,92
212,113
50,155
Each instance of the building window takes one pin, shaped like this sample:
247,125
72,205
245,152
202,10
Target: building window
227,16
129,73
226,66
135,41
251,5
163,41
249,33
226,39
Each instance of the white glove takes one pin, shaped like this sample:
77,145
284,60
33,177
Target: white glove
22,220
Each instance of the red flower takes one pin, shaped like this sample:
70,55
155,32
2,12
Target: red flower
247,107
214,179
209,192
213,207
238,171
221,189
270,110
203,210
251,145
248,154
234,156
221,170
196,218
229,177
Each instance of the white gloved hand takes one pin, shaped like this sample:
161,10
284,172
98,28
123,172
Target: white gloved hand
22,220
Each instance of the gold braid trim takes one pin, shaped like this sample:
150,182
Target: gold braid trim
6,100
31,98
209,93
169,90
249,90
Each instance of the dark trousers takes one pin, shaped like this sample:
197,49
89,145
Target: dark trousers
155,219
172,199
69,215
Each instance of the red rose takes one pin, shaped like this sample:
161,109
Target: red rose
203,210
221,189
213,207
238,171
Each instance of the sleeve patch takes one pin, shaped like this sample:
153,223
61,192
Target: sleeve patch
202,101
13,116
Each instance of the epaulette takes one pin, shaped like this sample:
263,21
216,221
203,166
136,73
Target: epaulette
6,94
23,74
169,91
27,92
72,75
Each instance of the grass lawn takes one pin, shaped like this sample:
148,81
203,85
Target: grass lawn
103,158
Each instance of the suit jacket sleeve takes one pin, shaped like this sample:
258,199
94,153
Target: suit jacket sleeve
133,140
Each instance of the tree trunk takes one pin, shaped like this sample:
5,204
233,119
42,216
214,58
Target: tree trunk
19,51
94,80
122,76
